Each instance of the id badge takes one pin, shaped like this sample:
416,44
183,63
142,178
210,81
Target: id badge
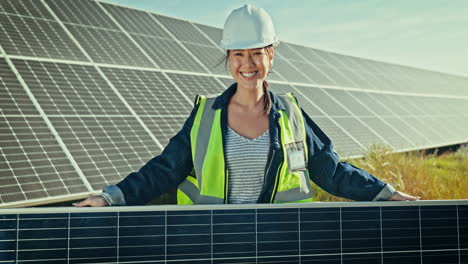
296,156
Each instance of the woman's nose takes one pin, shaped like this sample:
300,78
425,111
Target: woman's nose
249,60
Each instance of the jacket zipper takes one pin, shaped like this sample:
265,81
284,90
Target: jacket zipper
225,185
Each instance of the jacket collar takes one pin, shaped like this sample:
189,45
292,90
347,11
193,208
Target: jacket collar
223,99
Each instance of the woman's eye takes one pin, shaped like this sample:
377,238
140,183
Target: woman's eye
237,54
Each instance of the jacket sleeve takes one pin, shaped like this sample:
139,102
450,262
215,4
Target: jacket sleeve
336,177
162,173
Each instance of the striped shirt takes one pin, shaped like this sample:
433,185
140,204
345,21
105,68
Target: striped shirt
246,161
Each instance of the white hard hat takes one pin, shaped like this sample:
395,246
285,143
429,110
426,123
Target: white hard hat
248,27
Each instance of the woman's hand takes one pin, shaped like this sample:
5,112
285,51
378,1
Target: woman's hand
95,201
401,196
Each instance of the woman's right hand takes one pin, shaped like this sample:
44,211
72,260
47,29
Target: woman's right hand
94,201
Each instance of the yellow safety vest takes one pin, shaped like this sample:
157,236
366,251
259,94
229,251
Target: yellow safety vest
207,183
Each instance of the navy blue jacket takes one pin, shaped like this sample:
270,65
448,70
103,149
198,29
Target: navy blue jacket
166,171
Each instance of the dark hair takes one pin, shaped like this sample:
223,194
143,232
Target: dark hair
266,95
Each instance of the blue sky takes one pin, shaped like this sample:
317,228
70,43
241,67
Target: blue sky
430,34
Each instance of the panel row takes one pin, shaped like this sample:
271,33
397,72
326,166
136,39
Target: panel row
424,234
113,34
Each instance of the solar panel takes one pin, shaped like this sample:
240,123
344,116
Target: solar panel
413,232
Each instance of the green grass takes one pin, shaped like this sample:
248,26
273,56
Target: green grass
433,177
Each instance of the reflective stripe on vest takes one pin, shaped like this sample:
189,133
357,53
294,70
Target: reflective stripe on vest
208,153
292,182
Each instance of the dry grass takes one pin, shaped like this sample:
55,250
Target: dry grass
430,176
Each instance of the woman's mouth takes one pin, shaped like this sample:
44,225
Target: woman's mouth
249,75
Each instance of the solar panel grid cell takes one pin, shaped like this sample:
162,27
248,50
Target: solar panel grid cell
417,122
315,57
394,140
164,127
216,34
362,133
34,165
13,98
148,92
105,147
109,46
287,50
343,76
309,68
431,120
211,57
192,85
36,37
343,143
86,13
136,22
184,31
69,89
398,120
168,54
378,78
325,102
30,8
286,70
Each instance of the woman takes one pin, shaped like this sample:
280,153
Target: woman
247,145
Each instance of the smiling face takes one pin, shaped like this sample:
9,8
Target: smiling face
249,67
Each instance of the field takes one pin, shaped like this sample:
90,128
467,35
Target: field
433,177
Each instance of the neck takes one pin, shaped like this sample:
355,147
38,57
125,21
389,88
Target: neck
248,98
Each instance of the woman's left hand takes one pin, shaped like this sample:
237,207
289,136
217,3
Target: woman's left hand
401,196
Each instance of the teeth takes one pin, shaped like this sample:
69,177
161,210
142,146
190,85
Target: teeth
249,74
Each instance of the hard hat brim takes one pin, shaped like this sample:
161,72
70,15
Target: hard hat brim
252,45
